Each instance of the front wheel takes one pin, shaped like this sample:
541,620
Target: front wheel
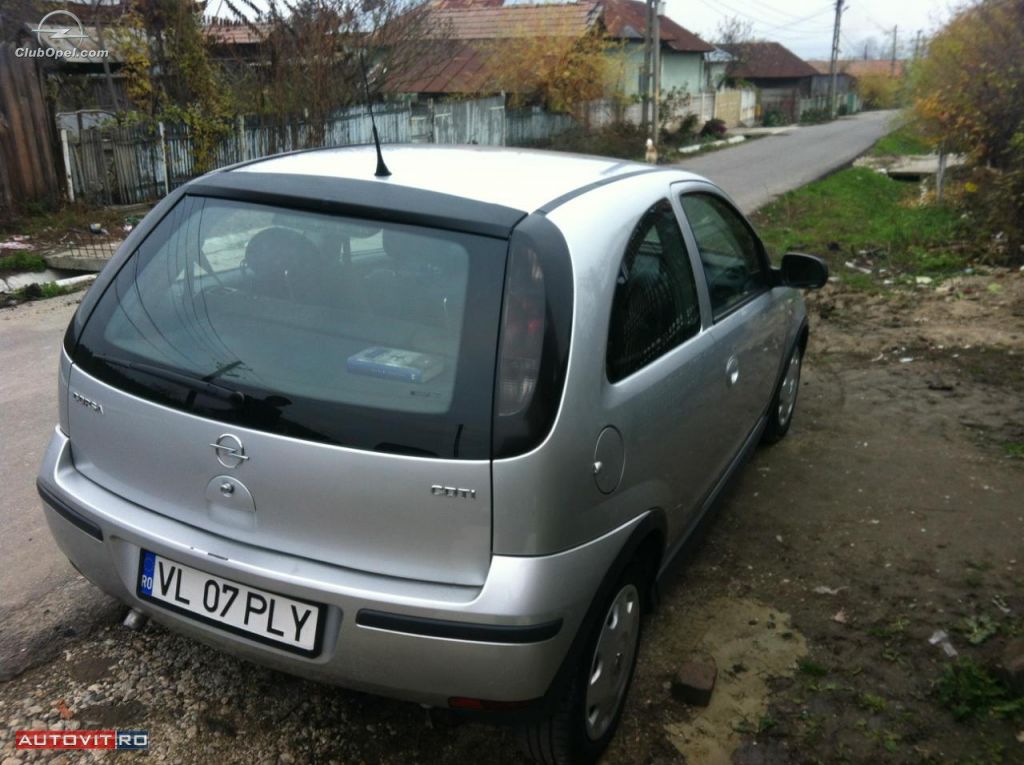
586,716
780,414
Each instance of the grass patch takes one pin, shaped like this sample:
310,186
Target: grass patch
968,690
859,211
21,261
872,703
900,142
1014,449
811,668
39,292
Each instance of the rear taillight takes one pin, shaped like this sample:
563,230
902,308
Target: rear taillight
522,331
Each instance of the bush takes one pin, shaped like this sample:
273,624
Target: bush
879,91
713,128
620,140
773,118
814,116
967,98
21,261
683,134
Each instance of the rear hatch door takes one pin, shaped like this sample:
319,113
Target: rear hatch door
309,383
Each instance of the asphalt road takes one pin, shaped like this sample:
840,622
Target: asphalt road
42,599
753,173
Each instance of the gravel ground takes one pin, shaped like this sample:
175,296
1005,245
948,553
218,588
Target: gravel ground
893,490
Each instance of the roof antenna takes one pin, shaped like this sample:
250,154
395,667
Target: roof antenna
382,169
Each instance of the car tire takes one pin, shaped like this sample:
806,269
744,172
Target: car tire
780,413
587,714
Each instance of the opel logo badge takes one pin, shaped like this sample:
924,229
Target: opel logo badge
229,450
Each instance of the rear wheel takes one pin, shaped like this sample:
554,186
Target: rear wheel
588,713
780,414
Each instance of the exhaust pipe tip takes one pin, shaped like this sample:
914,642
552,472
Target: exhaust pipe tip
135,620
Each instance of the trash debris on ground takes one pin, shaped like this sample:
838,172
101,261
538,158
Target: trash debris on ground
1000,603
840,616
823,590
923,280
96,228
854,267
906,359
941,638
17,242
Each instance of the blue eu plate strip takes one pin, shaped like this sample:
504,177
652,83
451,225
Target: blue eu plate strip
146,575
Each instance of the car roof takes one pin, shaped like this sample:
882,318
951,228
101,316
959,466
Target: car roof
523,179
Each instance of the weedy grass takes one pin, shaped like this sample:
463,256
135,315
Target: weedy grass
21,261
858,211
901,142
968,690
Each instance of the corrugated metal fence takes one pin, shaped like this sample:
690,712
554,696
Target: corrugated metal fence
131,164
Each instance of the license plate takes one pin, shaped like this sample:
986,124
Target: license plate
289,623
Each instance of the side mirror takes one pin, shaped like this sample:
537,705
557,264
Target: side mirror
805,271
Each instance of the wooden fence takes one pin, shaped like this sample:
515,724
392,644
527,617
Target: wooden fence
132,164
28,172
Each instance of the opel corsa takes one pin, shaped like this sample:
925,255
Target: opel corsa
433,435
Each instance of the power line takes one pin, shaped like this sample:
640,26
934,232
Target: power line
723,7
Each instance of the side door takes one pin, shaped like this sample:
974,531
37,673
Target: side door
657,371
747,316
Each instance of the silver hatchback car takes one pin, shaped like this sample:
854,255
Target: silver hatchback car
432,436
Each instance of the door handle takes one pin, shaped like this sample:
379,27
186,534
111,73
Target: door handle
732,370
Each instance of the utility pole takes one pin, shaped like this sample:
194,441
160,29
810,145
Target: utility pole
645,74
892,61
656,61
833,65
917,45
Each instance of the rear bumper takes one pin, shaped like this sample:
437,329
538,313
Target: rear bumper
420,641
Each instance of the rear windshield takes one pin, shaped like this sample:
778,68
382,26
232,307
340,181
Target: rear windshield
373,335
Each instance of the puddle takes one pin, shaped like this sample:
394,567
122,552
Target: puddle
751,643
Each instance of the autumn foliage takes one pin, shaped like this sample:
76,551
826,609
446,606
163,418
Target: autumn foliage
969,98
561,73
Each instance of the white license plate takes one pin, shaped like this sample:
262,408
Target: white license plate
283,622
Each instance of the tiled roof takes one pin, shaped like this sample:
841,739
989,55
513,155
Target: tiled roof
856,67
449,67
483,20
236,34
626,19
767,60
470,30
493,19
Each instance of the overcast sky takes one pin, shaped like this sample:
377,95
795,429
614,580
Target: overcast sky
805,26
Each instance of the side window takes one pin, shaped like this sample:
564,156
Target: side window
731,255
655,305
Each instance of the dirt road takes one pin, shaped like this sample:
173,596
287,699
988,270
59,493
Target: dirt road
894,490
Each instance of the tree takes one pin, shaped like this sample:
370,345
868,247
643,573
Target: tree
169,74
560,73
315,50
967,96
734,34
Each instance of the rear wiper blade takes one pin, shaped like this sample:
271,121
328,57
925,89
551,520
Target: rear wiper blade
197,384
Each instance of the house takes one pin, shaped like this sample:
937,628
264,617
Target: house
782,77
845,82
875,84
469,30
